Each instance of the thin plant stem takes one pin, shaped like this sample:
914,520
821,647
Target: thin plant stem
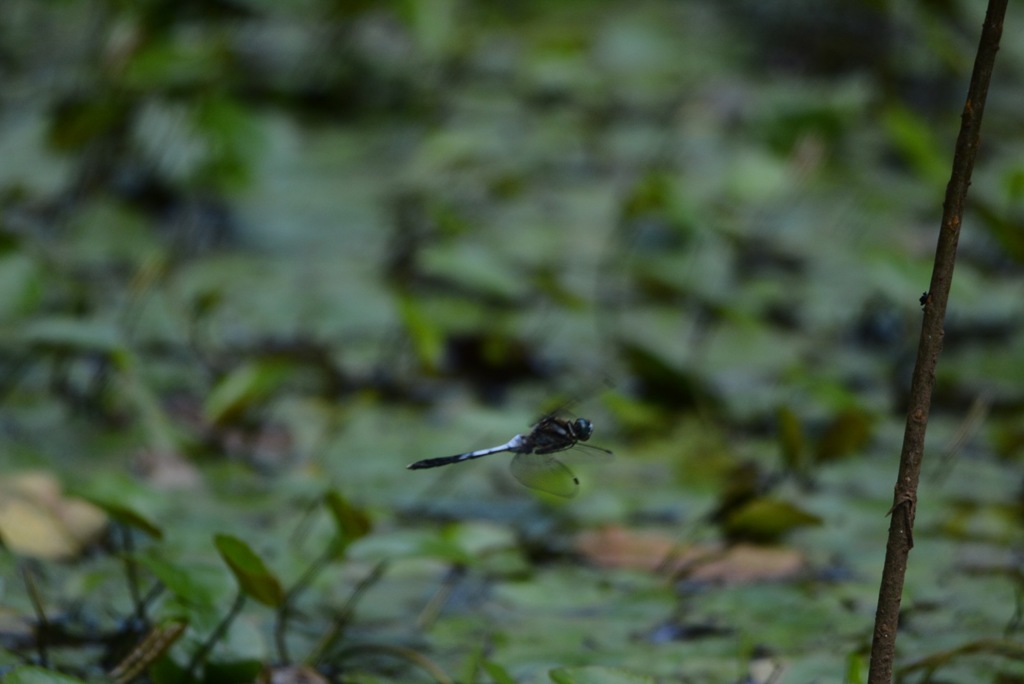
337,628
400,652
43,629
285,610
204,651
131,572
904,506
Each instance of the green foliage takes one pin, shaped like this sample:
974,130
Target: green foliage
29,674
79,122
65,334
434,26
586,189
767,520
232,143
426,336
254,578
235,672
1001,215
791,439
855,673
597,675
848,433
166,671
352,523
245,388
125,515
651,195
127,501
497,673
168,65
917,145
22,280
180,580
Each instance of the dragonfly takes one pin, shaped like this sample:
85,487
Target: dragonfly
533,464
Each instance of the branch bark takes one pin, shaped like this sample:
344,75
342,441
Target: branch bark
901,524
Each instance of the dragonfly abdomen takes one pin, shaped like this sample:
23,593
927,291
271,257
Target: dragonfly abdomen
458,458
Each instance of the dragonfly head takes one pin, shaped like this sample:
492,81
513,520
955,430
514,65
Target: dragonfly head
583,429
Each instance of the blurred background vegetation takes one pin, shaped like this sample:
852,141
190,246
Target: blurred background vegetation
258,256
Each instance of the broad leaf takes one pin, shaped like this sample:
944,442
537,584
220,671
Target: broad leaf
125,515
37,675
767,520
791,439
352,522
244,387
252,574
597,675
179,580
848,433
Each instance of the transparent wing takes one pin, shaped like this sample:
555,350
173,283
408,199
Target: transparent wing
584,456
588,453
544,472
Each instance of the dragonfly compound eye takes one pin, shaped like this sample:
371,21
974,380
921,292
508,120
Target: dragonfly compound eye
583,429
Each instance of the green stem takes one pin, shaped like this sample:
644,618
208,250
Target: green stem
200,656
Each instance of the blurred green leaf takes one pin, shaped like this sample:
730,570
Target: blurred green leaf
232,140
636,417
78,121
446,550
664,383
162,433
650,194
392,544
766,520
483,271
1004,226
434,24
30,674
72,334
497,673
249,385
594,674
427,337
166,670
854,669
21,281
1013,183
352,522
791,439
124,514
253,576
1007,436
232,672
123,497
180,580
913,137
168,64
806,113
846,434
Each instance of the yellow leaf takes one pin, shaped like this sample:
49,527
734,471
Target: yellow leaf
37,520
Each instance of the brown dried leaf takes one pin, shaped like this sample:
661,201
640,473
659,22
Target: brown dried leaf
619,547
294,674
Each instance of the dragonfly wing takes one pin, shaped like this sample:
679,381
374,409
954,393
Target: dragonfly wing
591,453
543,472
